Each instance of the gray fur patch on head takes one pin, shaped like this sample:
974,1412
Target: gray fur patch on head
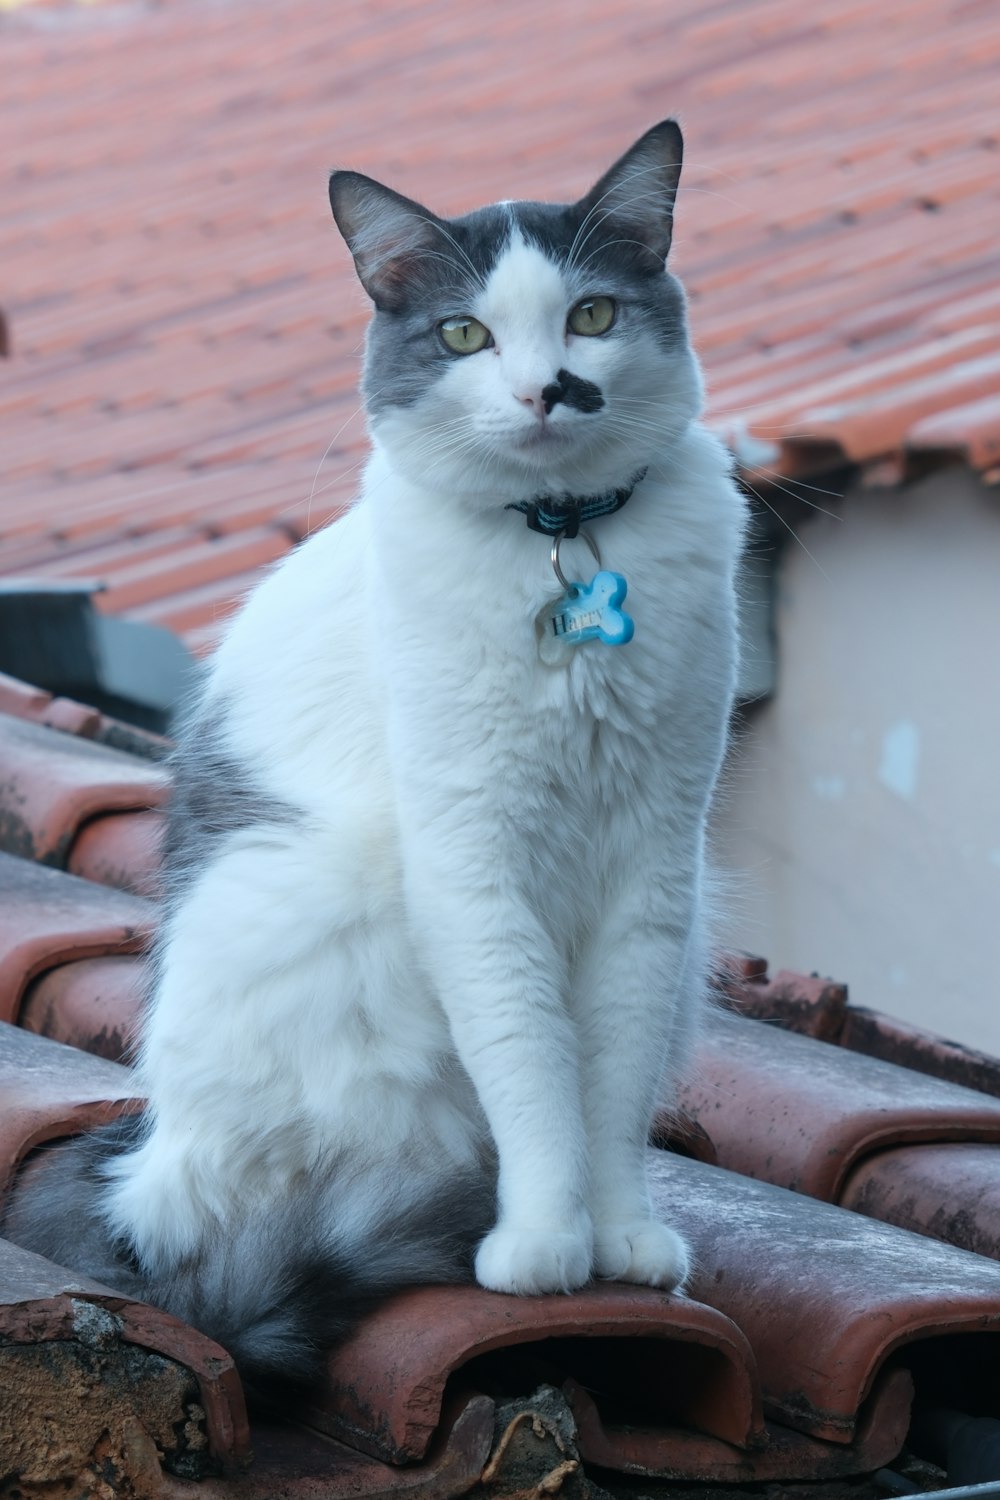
420,269
404,352
599,253
213,795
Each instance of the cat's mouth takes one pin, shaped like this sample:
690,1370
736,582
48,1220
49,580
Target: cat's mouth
542,435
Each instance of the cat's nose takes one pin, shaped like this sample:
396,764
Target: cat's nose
535,399
541,399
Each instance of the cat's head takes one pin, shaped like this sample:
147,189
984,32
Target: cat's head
526,348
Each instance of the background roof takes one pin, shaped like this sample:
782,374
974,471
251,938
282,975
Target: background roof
184,327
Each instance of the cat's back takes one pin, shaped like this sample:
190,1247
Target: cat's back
295,676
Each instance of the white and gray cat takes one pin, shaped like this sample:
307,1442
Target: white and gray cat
434,939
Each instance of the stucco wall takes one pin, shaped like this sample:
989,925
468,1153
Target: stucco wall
860,821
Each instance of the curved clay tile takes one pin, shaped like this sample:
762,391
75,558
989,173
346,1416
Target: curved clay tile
48,918
802,1113
92,1003
951,1193
48,1091
826,1297
54,783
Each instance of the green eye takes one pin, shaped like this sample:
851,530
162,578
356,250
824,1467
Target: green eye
465,335
593,315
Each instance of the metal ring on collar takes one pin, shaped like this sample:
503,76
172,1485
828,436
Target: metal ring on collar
584,536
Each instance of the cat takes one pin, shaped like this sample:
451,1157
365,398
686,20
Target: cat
434,941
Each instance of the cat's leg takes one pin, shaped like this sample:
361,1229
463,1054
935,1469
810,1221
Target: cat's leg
640,982
243,1060
501,984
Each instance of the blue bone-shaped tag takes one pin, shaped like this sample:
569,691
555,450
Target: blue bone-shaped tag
587,612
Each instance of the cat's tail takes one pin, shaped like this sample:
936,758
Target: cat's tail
277,1289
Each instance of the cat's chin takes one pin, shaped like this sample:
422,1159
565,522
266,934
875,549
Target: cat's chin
543,437
564,470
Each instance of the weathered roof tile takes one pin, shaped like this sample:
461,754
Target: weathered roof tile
92,1003
802,1113
54,783
48,918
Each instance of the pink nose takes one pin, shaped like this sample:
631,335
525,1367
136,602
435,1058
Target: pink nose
535,400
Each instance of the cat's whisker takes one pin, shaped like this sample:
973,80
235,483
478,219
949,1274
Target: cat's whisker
441,229
643,426
789,528
616,213
571,253
690,188
654,169
607,245
779,481
776,476
337,435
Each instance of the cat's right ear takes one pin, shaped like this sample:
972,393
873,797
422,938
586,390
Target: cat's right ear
386,233
641,187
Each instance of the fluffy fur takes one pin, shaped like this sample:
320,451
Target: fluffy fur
435,937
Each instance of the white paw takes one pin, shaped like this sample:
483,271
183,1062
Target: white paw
529,1262
644,1251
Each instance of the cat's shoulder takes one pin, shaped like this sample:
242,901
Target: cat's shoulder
292,611
697,502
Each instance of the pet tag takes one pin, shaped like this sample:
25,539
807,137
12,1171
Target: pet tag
584,612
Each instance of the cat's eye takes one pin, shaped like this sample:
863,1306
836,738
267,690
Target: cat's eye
592,315
465,335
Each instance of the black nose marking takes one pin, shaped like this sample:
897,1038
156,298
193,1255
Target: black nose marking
551,396
584,395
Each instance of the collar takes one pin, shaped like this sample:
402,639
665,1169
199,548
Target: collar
563,518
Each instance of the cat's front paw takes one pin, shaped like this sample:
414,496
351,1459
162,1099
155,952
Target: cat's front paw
529,1262
644,1251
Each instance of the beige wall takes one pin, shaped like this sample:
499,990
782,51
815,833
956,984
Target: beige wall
861,816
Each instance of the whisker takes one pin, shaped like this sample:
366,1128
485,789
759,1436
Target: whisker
614,188
789,528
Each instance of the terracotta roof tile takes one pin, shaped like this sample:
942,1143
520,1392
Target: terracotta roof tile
184,324
120,849
823,1371
951,1192
50,1091
801,1113
146,1388
387,1383
837,1329
92,1003
48,918
199,613
53,783
818,1007
819,1362
22,700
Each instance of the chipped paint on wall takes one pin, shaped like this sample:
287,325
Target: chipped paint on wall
899,766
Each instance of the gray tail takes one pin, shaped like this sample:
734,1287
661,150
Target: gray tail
277,1293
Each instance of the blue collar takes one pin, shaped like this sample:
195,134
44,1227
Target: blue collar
564,518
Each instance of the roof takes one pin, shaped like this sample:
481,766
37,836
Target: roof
836,1172
180,397
184,330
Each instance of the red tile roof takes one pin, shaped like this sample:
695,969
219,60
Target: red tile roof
783,1363
184,330
184,323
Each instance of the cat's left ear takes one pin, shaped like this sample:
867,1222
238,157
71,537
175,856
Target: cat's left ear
641,187
387,234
